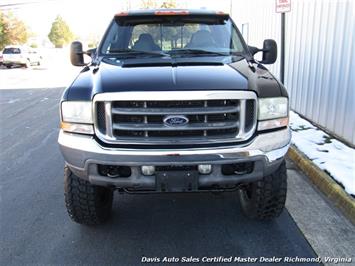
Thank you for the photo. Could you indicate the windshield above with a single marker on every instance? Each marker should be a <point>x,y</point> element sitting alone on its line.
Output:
<point>177,35</point>
<point>11,51</point>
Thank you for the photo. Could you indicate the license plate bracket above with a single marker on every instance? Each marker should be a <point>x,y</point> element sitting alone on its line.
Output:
<point>177,181</point>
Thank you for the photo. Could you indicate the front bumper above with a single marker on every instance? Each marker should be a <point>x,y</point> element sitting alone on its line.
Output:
<point>83,154</point>
<point>14,62</point>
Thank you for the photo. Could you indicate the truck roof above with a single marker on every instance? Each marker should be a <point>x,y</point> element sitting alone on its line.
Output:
<point>169,12</point>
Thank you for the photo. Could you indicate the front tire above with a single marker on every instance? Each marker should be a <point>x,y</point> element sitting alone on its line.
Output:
<point>265,199</point>
<point>86,203</point>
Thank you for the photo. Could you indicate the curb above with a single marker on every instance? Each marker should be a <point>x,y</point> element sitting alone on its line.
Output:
<point>324,183</point>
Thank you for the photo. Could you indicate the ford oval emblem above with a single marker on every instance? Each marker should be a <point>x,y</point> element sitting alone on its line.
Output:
<point>175,120</point>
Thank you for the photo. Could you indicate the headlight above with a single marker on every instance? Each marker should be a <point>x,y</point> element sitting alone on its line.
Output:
<point>273,113</point>
<point>77,112</point>
<point>77,117</point>
<point>271,108</point>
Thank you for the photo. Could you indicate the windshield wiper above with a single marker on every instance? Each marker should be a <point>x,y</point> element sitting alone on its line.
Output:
<point>134,52</point>
<point>197,52</point>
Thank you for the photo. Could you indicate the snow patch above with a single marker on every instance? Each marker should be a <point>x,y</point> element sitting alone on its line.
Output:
<point>329,154</point>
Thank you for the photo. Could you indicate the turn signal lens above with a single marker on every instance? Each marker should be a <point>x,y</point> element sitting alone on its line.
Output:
<point>77,128</point>
<point>274,123</point>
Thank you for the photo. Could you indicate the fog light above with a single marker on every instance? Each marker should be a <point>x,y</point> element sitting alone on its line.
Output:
<point>148,170</point>
<point>115,171</point>
<point>205,169</point>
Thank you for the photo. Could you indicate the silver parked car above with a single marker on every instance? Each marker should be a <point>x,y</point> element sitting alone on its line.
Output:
<point>20,55</point>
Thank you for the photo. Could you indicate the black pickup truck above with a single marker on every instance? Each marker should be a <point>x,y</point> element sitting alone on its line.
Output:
<point>173,101</point>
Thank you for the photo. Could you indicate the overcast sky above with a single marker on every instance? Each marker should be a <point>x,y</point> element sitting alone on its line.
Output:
<point>86,17</point>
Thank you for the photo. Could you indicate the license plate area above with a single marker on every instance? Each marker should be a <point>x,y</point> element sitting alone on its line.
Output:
<point>177,179</point>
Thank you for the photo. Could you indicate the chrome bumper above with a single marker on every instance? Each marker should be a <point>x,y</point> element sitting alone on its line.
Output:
<point>83,154</point>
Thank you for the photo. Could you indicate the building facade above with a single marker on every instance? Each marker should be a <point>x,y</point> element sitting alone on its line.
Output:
<point>319,56</point>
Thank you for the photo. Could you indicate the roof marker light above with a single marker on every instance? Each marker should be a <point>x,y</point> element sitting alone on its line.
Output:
<point>122,14</point>
<point>171,12</point>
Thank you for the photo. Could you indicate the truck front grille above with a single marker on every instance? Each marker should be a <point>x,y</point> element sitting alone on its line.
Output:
<point>211,118</point>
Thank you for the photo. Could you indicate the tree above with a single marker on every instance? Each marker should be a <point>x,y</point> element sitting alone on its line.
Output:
<point>148,4</point>
<point>152,4</point>
<point>2,31</point>
<point>169,4</point>
<point>60,33</point>
<point>12,30</point>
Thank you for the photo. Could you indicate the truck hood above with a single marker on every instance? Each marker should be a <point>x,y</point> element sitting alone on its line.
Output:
<point>146,78</point>
<point>163,75</point>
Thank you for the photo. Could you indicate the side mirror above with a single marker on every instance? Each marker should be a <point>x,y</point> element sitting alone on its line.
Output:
<point>77,54</point>
<point>269,52</point>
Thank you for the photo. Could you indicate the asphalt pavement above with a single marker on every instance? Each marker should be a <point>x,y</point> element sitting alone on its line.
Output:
<point>35,228</point>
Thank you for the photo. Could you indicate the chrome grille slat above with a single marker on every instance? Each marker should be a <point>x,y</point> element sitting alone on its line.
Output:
<point>175,111</point>
<point>205,117</point>
<point>145,119</point>
<point>137,118</point>
<point>108,119</point>
<point>242,116</point>
<point>162,127</point>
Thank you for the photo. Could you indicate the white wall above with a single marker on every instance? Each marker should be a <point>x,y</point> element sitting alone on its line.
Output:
<point>320,56</point>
